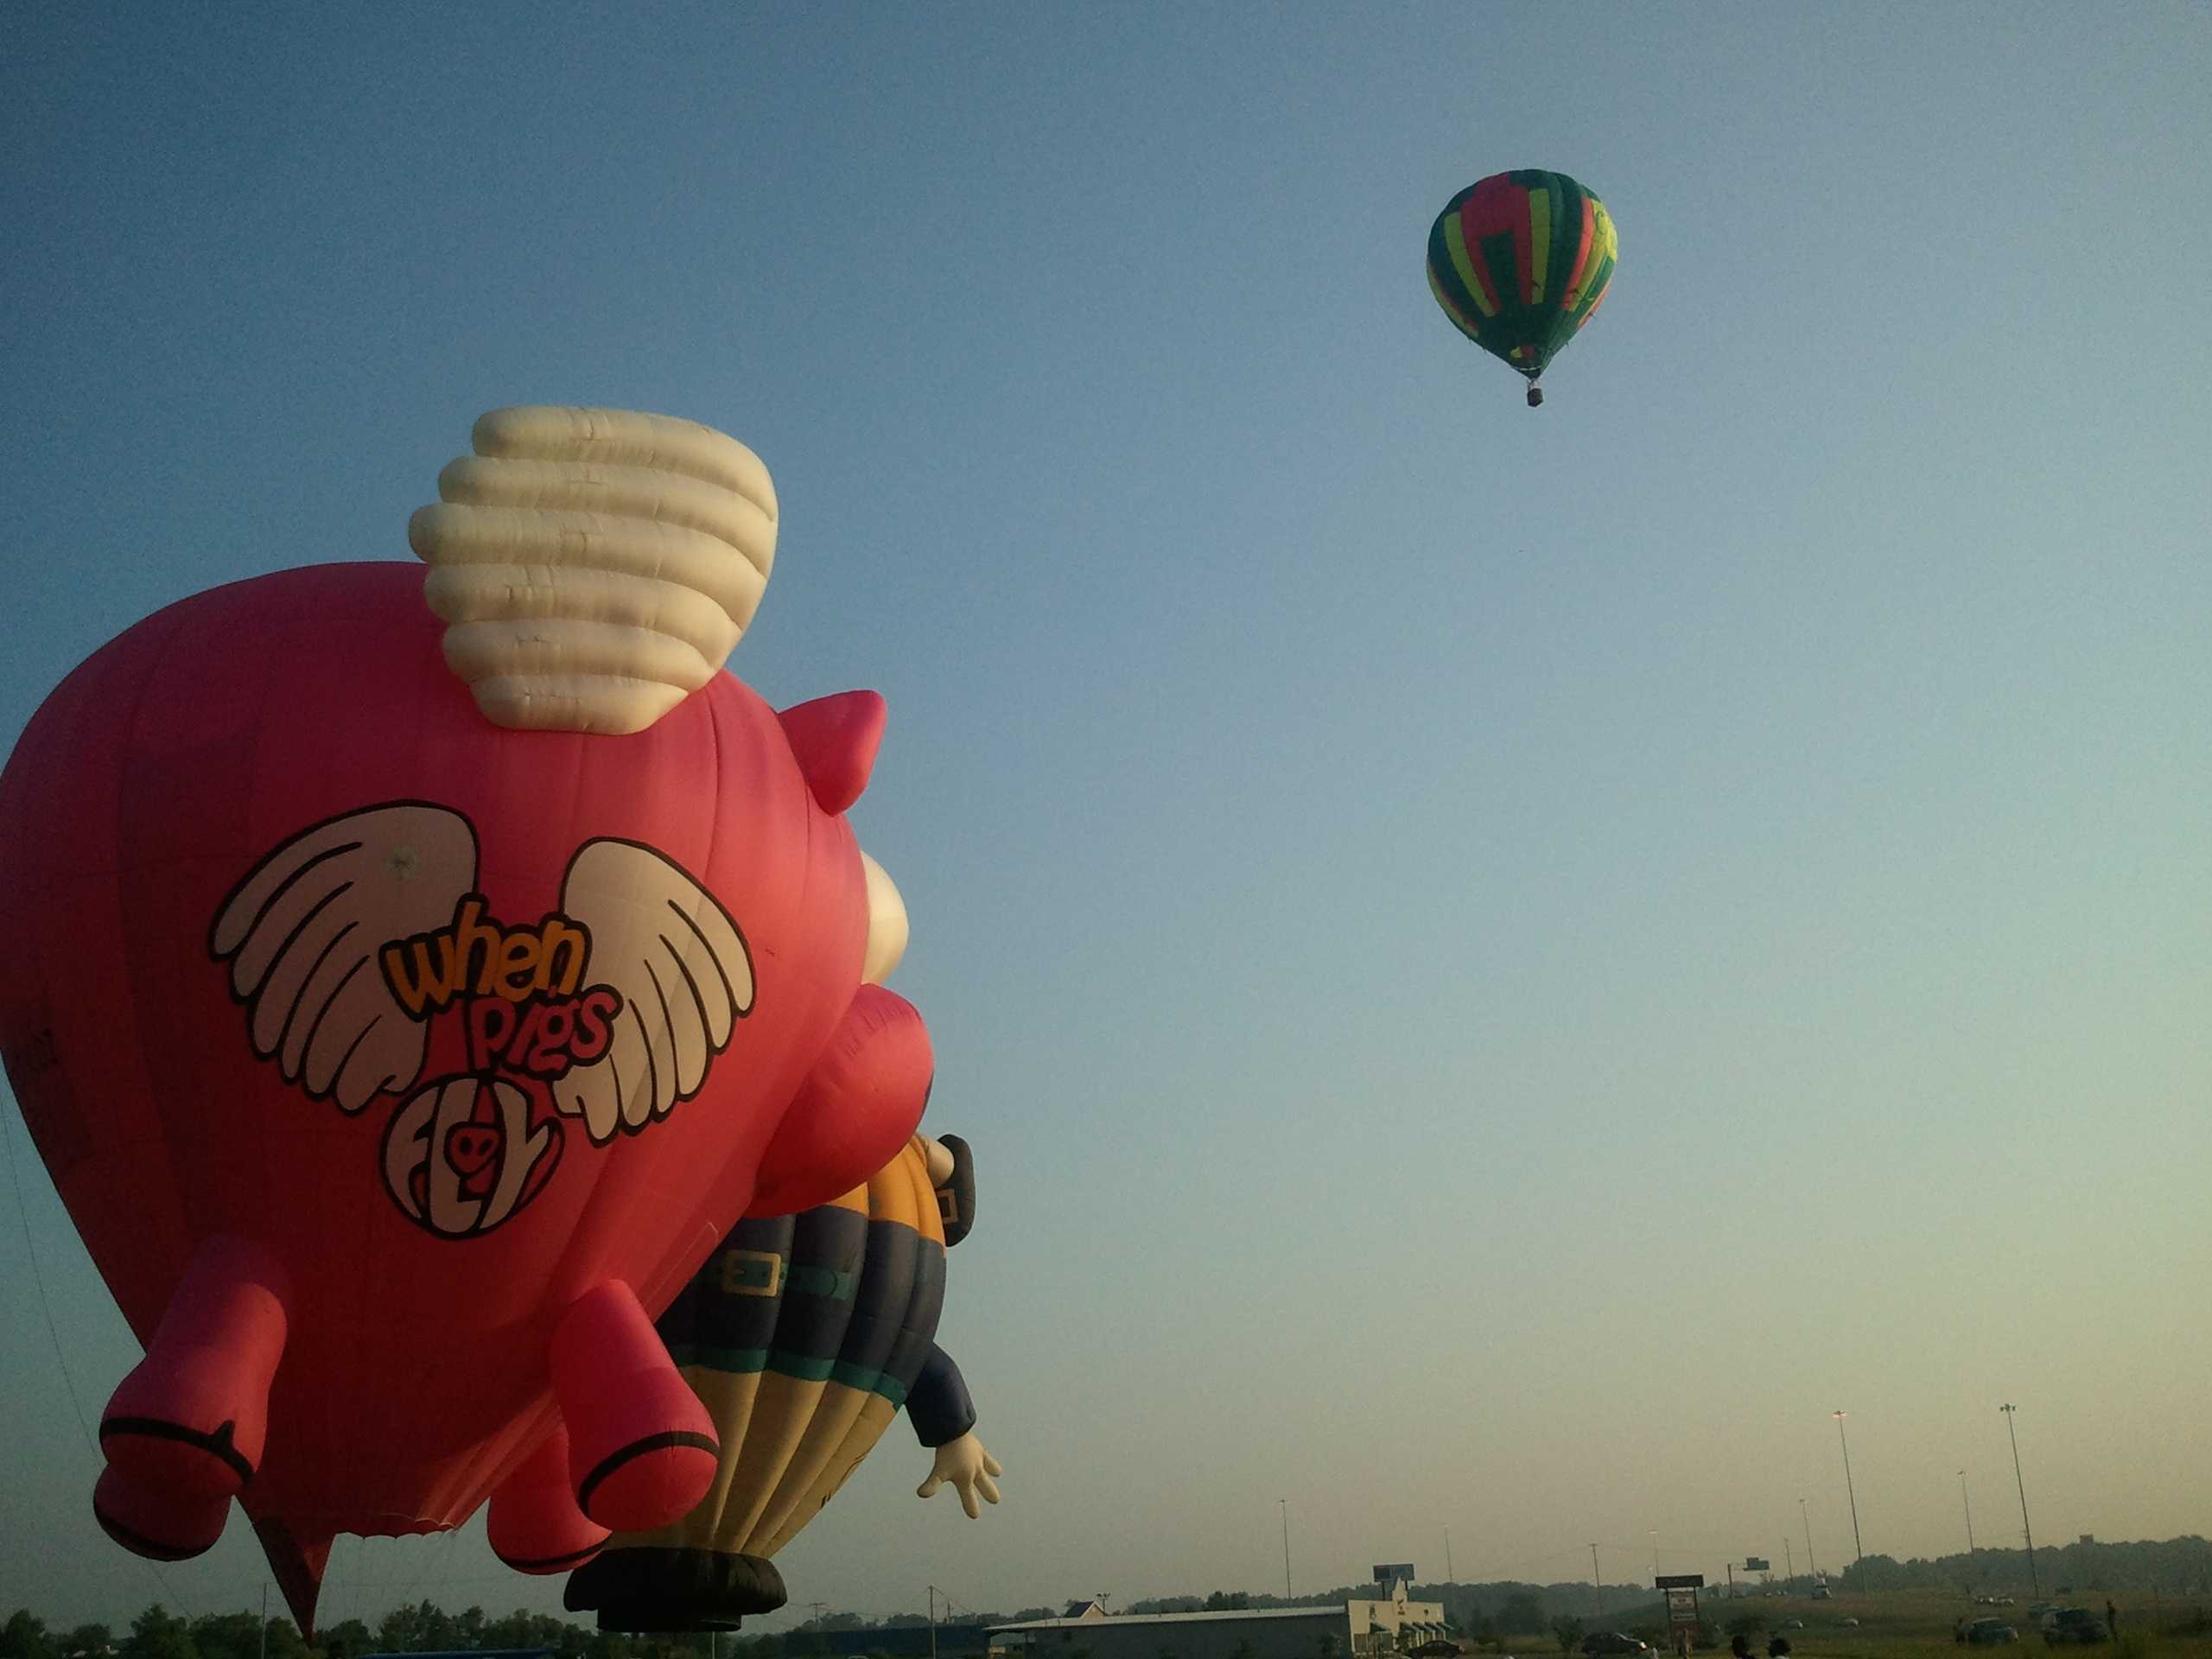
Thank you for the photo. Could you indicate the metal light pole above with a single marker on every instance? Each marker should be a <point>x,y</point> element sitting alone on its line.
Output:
<point>2035,1584</point>
<point>1812,1562</point>
<point>1655,1552</point>
<point>1447,1555</point>
<point>1286,1547</point>
<point>1968,1504</point>
<point>1789,1560</point>
<point>1859,1550</point>
<point>1597,1604</point>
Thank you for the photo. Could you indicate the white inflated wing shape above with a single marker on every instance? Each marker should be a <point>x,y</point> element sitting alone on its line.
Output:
<point>683,968</point>
<point>594,566</point>
<point>302,933</point>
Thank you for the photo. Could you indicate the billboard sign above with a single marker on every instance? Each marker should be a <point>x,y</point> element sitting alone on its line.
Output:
<point>1681,1590</point>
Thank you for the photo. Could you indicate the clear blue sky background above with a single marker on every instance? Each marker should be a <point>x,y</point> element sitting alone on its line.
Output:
<point>1499,965</point>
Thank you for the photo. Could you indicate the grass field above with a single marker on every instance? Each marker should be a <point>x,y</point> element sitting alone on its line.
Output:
<point>1917,1624</point>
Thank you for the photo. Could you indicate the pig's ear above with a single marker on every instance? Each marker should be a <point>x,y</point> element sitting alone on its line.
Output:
<point>835,739</point>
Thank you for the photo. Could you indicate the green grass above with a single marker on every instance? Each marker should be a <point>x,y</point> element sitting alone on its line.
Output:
<point>1917,1624</point>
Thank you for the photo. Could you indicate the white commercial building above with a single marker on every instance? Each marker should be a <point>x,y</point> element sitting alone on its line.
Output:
<point>1370,1627</point>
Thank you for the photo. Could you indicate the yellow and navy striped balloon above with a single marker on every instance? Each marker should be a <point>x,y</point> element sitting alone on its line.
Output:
<point>803,1334</point>
<point>1520,261</point>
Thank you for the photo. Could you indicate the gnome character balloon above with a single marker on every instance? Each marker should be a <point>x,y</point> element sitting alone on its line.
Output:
<point>407,998</point>
<point>805,1335</point>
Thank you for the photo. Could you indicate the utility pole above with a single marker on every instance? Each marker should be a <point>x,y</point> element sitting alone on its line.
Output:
<point>1812,1562</point>
<point>1597,1603</point>
<point>1286,1547</point>
<point>1969,1509</point>
<point>1655,1554</point>
<point>265,1619</point>
<point>1447,1555</point>
<point>1859,1550</point>
<point>2027,1532</point>
<point>1790,1560</point>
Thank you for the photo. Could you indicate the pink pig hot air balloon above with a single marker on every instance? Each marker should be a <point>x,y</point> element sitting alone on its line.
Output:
<point>406,997</point>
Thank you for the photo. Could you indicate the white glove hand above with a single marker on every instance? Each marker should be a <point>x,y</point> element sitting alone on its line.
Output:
<point>969,1466</point>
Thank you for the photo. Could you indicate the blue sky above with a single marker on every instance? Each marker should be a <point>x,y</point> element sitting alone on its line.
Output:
<point>1498,964</point>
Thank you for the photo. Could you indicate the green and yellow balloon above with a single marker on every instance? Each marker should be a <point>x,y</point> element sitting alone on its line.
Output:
<point>1520,261</point>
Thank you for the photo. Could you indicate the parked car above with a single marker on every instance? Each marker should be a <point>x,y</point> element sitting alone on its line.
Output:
<point>1987,1632</point>
<point>2076,1625</point>
<point>1439,1649</point>
<point>1601,1644</point>
<point>1848,1623</point>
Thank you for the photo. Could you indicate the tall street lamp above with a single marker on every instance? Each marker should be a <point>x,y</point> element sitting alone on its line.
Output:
<point>1968,1504</point>
<point>2027,1531</point>
<point>1812,1565</point>
<point>1286,1547</point>
<point>1858,1554</point>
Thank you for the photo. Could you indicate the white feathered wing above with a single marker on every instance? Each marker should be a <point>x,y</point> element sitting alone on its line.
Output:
<point>303,931</point>
<point>684,973</point>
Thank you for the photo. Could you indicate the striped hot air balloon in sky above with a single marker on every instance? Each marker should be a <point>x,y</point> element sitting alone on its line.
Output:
<point>1520,261</point>
<point>803,1336</point>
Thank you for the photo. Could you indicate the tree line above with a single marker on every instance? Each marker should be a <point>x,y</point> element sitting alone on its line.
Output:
<point>157,1633</point>
<point>2175,1566</point>
<point>1484,1615</point>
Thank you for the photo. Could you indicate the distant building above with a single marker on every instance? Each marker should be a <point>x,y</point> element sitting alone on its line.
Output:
<point>1369,1626</point>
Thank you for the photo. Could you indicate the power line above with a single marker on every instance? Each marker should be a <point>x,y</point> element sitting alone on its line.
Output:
<point>53,1333</point>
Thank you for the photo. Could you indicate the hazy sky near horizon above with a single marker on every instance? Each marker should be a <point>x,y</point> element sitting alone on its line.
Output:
<point>1499,965</point>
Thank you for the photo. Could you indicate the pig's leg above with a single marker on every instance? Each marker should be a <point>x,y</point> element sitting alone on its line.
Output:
<point>189,1422</point>
<point>642,1450</point>
<point>535,1524</point>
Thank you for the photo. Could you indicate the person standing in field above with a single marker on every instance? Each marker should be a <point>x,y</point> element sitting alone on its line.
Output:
<point>2112,1618</point>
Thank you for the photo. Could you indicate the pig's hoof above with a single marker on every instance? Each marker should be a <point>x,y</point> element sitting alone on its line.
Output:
<point>535,1525</point>
<point>192,1417</point>
<point>172,1457</point>
<point>642,1450</point>
<point>651,1482</point>
<point>163,1526</point>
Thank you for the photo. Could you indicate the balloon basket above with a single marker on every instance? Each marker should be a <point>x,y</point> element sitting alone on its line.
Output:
<point>645,1589</point>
